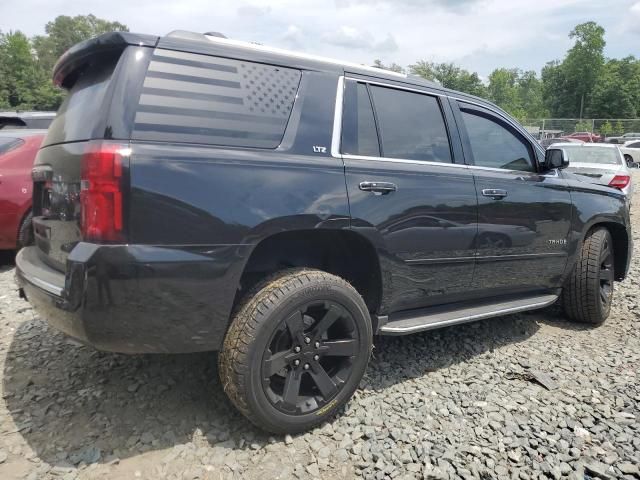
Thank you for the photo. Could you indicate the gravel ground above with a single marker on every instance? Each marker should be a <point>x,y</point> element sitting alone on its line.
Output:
<point>455,403</point>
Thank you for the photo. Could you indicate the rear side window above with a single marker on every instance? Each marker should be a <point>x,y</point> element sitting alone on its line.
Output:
<point>7,144</point>
<point>212,100</point>
<point>82,110</point>
<point>359,136</point>
<point>411,125</point>
<point>493,145</point>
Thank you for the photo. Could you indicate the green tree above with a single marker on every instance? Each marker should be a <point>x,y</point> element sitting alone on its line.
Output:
<point>530,95</point>
<point>612,95</point>
<point>449,75</point>
<point>64,32</point>
<point>618,129</point>
<point>503,90</point>
<point>21,76</point>
<point>606,128</point>
<point>394,67</point>
<point>569,84</point>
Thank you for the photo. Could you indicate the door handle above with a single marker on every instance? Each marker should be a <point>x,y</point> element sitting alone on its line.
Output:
<point>495,193</point>
<point>378,188</point>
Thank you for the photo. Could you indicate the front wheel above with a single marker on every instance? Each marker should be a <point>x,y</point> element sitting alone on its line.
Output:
<point>296,350</point>
<point>588,293</point>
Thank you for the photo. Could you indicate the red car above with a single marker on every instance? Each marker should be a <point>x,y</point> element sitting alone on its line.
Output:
<point>18,149</point>
<point>585,137</point>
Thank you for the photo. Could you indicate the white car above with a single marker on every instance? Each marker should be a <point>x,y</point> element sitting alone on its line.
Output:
<point>601,163</point>
<point>631,151</point>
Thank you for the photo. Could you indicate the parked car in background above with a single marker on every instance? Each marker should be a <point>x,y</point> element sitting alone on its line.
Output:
<point>624,138</point>
<point>584,136</point>
<point>31,120</point>
<point>18,149</point>
<point>631,152</point>
<point>602,164</point>
<point>546,142</point>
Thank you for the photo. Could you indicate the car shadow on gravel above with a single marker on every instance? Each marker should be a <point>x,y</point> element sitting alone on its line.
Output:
<point>73,404</point>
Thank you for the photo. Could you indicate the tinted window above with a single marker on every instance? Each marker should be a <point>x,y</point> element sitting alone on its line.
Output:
<point>83,108</point>
<point>359,136</point>
<point>411,125</point>
<point>634,145</point>
<point>7,144</point>
<point>39,123</point>
<point>586,154</point>
<point>203,99</point>
<point>493,145</point>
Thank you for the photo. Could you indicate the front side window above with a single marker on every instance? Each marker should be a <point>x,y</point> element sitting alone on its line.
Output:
<point>411,125</point>
<point>493,145</point>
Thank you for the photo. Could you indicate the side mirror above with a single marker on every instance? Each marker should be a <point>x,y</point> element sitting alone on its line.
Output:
<point>554,158</point>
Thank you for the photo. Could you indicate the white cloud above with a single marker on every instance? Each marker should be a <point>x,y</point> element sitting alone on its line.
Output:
<point>632,22</point>
<point>478,34</point>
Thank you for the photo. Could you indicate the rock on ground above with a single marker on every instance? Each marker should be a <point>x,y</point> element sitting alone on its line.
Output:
<point>454,403</point>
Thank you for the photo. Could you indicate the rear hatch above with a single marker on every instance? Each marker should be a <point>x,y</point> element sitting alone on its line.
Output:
<point>80,173</point>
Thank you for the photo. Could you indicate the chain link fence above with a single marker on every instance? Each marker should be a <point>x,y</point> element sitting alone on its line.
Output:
<point>558,127</point>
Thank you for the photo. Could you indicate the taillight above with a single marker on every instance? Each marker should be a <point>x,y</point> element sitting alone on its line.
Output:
<point>620,181</point>
<point>101,191</point>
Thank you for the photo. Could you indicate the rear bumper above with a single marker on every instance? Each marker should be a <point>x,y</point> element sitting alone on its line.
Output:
<point>136,299</point>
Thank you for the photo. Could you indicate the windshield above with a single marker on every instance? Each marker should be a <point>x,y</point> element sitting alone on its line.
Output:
<point>580,154</point>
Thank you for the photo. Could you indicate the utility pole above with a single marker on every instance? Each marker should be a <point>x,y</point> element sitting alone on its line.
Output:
<point>581,106</point>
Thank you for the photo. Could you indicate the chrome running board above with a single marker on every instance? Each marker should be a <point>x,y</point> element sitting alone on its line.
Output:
<point>403,323</point>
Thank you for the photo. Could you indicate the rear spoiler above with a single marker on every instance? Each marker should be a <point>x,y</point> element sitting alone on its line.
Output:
<point>71,61</point>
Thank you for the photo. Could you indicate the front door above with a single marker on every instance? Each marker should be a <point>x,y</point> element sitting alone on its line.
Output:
<point>407,194</point>
<point>523,216</point>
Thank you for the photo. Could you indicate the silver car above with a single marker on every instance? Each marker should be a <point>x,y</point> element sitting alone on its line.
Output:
<point>601,163</point>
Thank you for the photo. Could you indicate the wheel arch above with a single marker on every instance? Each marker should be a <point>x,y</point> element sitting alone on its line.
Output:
<point>621,245</point>
<point>341,252</point>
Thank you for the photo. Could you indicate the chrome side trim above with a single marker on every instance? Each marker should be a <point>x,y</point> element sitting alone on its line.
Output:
<point>337,129</point>
<point>337,119</point>
<point>397,330</point>
<point>405,160</point>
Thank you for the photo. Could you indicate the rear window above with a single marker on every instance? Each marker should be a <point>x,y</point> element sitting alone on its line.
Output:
<point>411,125</point>
<point>7,144</point>
<point>359,135</point>
<point>592,155</point>
<point>39,123</point>
<point>82,110</point>
<point>212,100</point>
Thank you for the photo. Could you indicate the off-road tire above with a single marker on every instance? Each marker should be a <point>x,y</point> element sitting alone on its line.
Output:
<point>259,314</point>
<point>582,296</point>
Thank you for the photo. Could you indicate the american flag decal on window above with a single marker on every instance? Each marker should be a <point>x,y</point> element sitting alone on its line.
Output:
<point>203,99</point>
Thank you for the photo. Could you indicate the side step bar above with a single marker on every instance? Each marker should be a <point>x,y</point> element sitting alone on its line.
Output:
<point>403,323</point>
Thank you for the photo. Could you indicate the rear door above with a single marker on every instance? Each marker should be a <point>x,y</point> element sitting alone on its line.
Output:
<point>523,216</point>
<point>407,192</point>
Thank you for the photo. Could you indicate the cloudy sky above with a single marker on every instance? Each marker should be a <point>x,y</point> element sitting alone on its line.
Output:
<point>479,35</point>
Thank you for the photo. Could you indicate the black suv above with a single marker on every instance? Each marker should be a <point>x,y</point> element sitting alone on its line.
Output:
<point>197,193</point>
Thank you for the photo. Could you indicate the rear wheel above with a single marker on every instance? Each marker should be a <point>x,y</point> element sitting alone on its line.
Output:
<point>296,350</point>
<point>588,293</point>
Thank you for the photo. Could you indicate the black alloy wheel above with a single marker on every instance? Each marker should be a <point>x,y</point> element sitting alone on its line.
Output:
<point>296,349</point>
<point>309,357</point>
<point>588,291</point>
